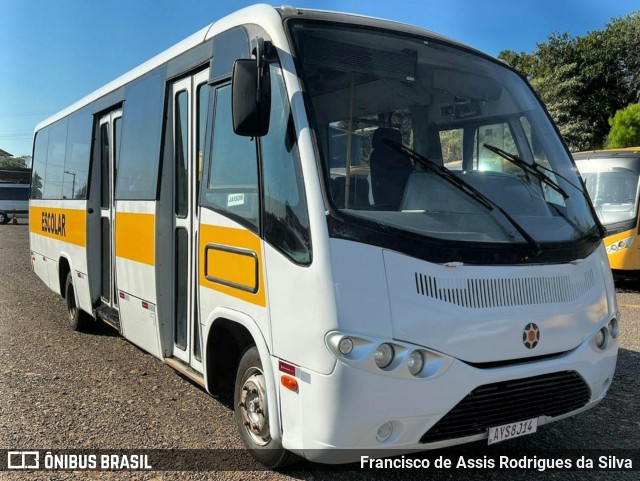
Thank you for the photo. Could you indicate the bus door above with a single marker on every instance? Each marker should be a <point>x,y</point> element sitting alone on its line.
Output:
<point>110,125</point>
<point>190,97</point>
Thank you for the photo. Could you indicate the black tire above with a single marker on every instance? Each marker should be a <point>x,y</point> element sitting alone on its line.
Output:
<point>78,319</point>
<point>256,436</point>
<point>4,218</point>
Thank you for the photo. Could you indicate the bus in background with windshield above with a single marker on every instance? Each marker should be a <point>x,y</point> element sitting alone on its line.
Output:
<point>367,235</point>
<point>611,177</point>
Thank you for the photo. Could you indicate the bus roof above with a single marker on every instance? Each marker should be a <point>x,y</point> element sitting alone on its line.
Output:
<point>264,15</point>
<point>591,154</point>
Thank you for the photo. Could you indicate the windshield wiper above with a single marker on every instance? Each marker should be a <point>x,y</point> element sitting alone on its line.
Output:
<point>534,169</point>
<point>529,168</point>
<point>464,187</point>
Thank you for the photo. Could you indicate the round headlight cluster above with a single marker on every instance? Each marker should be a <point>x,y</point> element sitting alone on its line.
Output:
<point>622,244</point>
<point>345,346</point>
<point>415,362</point>
<point>601,338</point>
<point>383,355</point>
<point>611,330</point>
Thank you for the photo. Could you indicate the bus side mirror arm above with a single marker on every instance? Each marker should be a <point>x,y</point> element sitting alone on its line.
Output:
<point>251,93</point>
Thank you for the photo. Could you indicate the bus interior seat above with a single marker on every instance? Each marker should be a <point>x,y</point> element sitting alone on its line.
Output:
<point>390,169</point>
<point>358,192</point>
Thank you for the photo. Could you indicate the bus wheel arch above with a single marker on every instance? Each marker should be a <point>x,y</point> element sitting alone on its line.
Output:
<point>226,342</point>
<point>77,318</point>
<point>64,269</point>
<point>242,330</point>
<point>253,415</point>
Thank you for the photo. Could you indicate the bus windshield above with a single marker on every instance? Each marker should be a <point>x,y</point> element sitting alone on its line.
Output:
<point>613,191</point>
<point>373,91</point>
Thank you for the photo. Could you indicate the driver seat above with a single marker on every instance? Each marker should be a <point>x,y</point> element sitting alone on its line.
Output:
<point>390,169</point>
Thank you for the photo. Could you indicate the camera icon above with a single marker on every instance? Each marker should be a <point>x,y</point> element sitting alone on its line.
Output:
<point>23,460</point>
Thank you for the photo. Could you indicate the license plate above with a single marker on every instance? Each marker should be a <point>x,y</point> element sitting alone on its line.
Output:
<point>512,430</point>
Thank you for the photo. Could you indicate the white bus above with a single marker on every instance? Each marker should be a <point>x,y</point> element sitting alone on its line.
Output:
<point>14,201</point>
<point>356,299</point>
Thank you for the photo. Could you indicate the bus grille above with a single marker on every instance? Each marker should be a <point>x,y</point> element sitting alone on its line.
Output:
<point>519,291</point>
<point>510,401</point>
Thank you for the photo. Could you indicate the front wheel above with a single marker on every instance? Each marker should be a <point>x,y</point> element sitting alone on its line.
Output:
<point>252,413</point>
<point>78,319</point>
<point>4,218</point>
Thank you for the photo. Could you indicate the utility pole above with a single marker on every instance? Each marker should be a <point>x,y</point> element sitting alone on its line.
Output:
<point>73,183</point>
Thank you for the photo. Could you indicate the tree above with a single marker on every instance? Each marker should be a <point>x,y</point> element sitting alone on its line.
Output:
<point>625,128</point>
<point>585,80</point>
<point>36,186</point>
<point>561,90</point>
<point>13,162</point>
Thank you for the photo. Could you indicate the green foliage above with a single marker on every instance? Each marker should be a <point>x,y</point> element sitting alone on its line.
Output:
<point>583,81</point>
<point>36,186</point>
<point>13,162</point>
<point>561,90</point>
<point>625,128</point>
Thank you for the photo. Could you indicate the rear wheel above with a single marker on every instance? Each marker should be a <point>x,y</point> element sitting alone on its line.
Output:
<point>78,319</point>
<point>4,218</point>
<point>252,413</point>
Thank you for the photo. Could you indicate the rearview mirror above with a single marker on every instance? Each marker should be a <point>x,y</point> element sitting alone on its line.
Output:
<point>251,95</point>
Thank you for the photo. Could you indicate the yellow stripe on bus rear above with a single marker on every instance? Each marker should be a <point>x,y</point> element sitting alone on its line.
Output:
<point>135,237</point>
<point>67,225</point>
<point>231,262</point>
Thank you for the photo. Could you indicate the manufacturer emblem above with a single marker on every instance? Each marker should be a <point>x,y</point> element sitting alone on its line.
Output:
<point>531,335</point>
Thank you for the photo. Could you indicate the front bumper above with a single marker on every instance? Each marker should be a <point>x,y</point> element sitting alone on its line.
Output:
<point>335,418</point>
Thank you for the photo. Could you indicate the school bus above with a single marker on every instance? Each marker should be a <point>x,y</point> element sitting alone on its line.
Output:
<point>267,208</point>
<point>611,177</point>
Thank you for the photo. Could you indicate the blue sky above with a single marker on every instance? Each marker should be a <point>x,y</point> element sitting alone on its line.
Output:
<point>54,52</point>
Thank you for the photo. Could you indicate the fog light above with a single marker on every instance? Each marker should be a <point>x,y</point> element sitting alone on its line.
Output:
<point>383,355</point>
<point>384,432</point>
<point>601,338</point>
<point>415,363</point>
<point>613,328</point>
<point>345,346</point>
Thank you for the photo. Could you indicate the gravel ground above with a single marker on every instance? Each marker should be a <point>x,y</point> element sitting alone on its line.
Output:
<point>60,389</point>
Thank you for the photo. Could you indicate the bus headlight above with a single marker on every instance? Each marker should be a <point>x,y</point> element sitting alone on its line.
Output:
<point>622,244</point>
<point>415,363</point>
<point>345,346</point>
<point>383,355</point>
<point>601,338</point>
<point>389,357</point>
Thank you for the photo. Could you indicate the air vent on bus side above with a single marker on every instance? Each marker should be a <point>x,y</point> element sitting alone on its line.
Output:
<point>505,292</point>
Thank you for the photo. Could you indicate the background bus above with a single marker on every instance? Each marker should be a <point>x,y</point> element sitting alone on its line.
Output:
<point>14,193</point>
<point>611,177</point>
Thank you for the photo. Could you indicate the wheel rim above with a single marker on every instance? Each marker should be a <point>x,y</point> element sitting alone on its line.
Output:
<point>71,303</point>
<point>253,407</point>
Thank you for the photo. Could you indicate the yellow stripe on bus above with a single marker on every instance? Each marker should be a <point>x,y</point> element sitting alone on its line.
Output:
<point>135,237</point>
<point>231,262</point>
<point>67,225</point>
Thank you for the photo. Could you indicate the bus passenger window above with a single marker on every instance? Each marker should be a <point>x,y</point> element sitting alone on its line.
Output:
<point>201,127</point>
<point>233,177</point>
